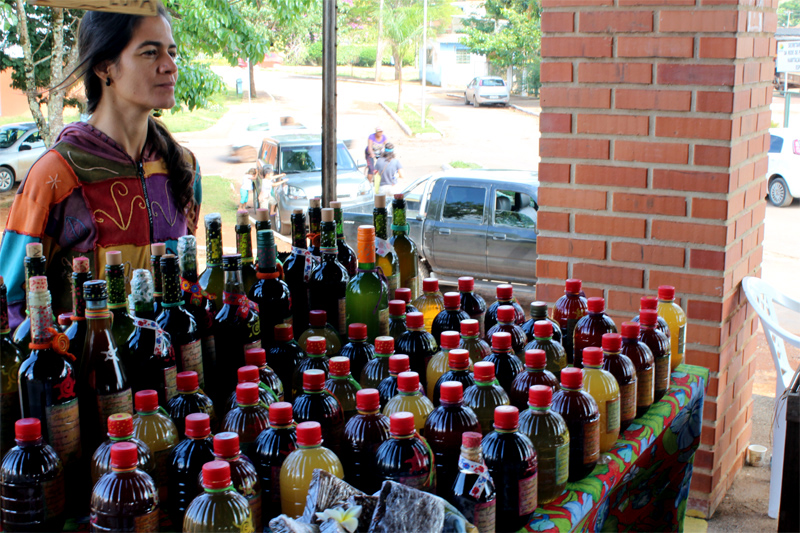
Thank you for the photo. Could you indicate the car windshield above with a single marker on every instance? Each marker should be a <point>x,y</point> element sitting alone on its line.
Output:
<point>308,158</point>
<point>258,126</point>
<point>492,83</point>
<point>10,135</point>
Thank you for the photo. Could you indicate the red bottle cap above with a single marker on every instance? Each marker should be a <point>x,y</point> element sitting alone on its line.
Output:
<point>27,429</point>
<point>280,414</point>
<point>484,371</point>
<point>504,291</point>
<point>535,358</point>
<point>316,345</point>
<point>399,363</point>
<point>466,284</point>
<point>403,293</point>
<point>630,330</point>
<point>452,300</point>
<point>540,396</point>
<point>283,332</point>
<point>309,434</point>
<point>318,318</point>
<point>571,377</point>
<point>648,302</point>
<point>430,285</point>
<point>449,340</point>
<point>408,382</point>
<point>226,444</point>
<point>458,359</point>
<point>198,425</point>
<point>384,344</point>
<point>314,380</point>
<point>415,320</point>
<point>596,304</point>
<point>357,331</point>
<point>666,292</point>
<point>146,401</point>
<point>124,455</point>
<point>65,319</point>
<point>506,313</point>
<point>401,424</point>
<point>397,307</point>
<point>470,328</point>
<point>339,366</point>
<point>612,342</point>
<point>648,317</point>
<point>120,425</point>
<point>506,417</point>
<point>246,393</point>
<point>593,356</point>
<point>217,475</point>
<point>187,381</point>
<point>255,356</point>
<point>573,286</point>
<point>248,374</point>
<point>501,341</point>
<point>542,329</point>
<point>451,392</point>
<point>471,439</point>
<point>368,400</point>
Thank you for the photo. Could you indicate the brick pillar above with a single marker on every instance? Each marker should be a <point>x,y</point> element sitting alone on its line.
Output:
<point>655,117</point>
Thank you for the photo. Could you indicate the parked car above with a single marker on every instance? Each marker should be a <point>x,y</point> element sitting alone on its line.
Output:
<point>487,90</point>
<point>20,147</point>
<point>469,222</point>
<point>783,166</point>
<point>299,156</point>
<point>246,138</point>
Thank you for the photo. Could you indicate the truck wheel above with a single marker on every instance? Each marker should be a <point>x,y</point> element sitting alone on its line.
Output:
<point>424,269</point>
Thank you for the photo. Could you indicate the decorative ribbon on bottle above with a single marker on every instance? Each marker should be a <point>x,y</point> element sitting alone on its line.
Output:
<point>196,291</point>
<point>160,341</point>
<point>58,342</point>
<point>264,386</point>
<point>404,228</point>
<point>383,247</point>
<point>240,300</point>
<point>314,238</point>
<point>278,274</point>
<point>431,476</point>
<point>350,379</point>
<point>476,468</point>
<point>310,259</point>
<point>160,410</point>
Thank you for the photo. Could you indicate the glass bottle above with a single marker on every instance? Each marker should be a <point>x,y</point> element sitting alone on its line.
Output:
<point>505,296</point>
<point>297,271</point>
<point>539,312</point>
<point>430,303</point>
<point>403,293</point>
<point>543,340</point>
<point>249,418</point>
<point>406,458</point>
<point>535,374</point>
<point>319,405</point>
<point>153,427</point>
<point>219,508</point>
<point>257,357</point>
<point>190,399</point>
<point>363,435</point>
<point>386,257</point>
<point>418,344</point>
<point>10,360</point>
<point>76,333</point>
<point>472,340</point>
<point>327,286</point>
<point>506,364</point>
<point>262,219</point>
<point>377,369</point>
<point>387,388</point>
<point>642,359</point>
<point>473,492</point>
<point>567,311</point>
<point>270,292</point>
<point>471,302</point>
<point>64,321</point>
<point>35,265</point>
<point>651,302</point>
<point>346,255</point>
<point>397,318</point>
<point>299,466</point>
<point>244,247</point>
<point>443,429</point>
<point>438,364</point>
<point>512,463</point>
<point>358,350</point>
<point>676,320</point>
<point>404,247</point>
<point>603,387</point>
<point>315,360</point>
<point>320,327</point>
<point>367,293</point>
<point>273,446</point>
<point>121,321</point>
<point>103,385</point>
<point>283,356</point>
<point>450,318</point>
<point>505,323</point>
<point>619,366</point>
<point>32,488</point>
<point>314,226</point>
<point>410,399</point>
<point>459,369</point>
<point>659,347</point>
<point>580,412</point>
<point>185,463</point>
<point>589,330</point>
<point>120,429</point>
<point>485,395</point>
<point>156,251</point>
<point>550,437</point>
<point>341,384</point>
<point>249,374</point>
<point>212,280</point>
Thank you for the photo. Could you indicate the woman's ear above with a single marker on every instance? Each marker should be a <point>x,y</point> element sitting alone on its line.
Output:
<point>103,70</point>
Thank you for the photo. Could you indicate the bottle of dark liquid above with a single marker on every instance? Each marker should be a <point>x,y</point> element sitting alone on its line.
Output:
<point>212,280</point>
<point>10,360</point>
<point>505,296</point>
<point>249,374</point>
<point>474,494</point>
<point>122,323</point>
<point>386,257</point>
<point>249,418</point>
<point>397,318</point>
<point>190,399</point>
<point>404,247</point>
<point>156,251</point>
<point>120,429</point>
<point>512,463</point>
<point>567,311</point>
<point>642,359</point>
<point>269,292</point>
<point>505,322</point>
<point>219,507</point>
<point>660,348</point>
<point>315,404</point>
<point>485,395</point>
<point>539,312</point>
<point>471,302</point>
<point>262,219</point>
<point>387,388</point>
<point>443,429</point>
<point>273,445</point>
<point>297,271</point>
<point>589,330</point>
<point>320,327</point>
<point>283,356</point>
<point>341,384</point>
<point>153,427</point>
<point>418,344</point>
<point>403,293</point>
<point>458,370</point>
<point>651,302</point>
<point>35,265</point>
<point>406,458</point>
<point>315,360</point>
<point>450,318</point>
<point>257,357</point>
<point>358,350</point>
<point>472,340</point>
<point>76,333</point>
<point>535,374</point>
<point>543,340</point>
<point>244,247</point>
<point>346,255</point>
<point>377,369</point>
<point>186,462</point>
<point>367,291</point>
<point>506,364</point>
<point>327,285</point>
<point>363,435</point>
<point>314,226</point>
<point>625,373</point>
<point>438,364</point>
<point>580,412</point>
<point>32,488</point>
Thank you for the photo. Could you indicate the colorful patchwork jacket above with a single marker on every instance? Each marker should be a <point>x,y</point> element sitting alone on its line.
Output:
<point>86,196</point>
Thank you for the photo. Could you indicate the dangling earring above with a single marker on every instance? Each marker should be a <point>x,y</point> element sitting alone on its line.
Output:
<point>108,82</point>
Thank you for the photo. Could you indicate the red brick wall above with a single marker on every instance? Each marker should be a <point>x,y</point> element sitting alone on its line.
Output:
<point>655,117</point>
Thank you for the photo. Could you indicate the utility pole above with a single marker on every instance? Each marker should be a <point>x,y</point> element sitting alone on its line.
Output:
<point>328,102</point>
<point>424,57</point>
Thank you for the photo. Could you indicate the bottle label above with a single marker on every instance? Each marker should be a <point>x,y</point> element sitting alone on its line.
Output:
<point>591,442</point>
<point>528,495</point>
<point>681,341</point>
<point>662,373</point>
<point>192,360</point>
<point>644,388</point>
<point>413,284</point>
<point>394,282</point>
<point>418,482</point>
<point>562,463</point>
<point>627,399</point>
<point>146,523</point>
<point>612,415</point>
<point>109,404</point>
<point>64,430</point>
<point>252,345</point>
<point>53,496</point>
<point>484,516</point>
<point>170,382</point>
<point>383,322</point>
<point>342,325</point>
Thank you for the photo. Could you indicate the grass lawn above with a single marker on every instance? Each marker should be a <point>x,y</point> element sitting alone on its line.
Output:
<point>412,118</point>
<point>218,197</point>
<point>70,115</point>
<point>464,164</point>
<point>346,71</point>
<point>201,119</point>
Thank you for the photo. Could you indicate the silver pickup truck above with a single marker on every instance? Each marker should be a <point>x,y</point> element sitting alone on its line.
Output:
<point>469,222</point>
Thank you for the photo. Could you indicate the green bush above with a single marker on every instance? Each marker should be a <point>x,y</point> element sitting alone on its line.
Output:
<point>360,55</point>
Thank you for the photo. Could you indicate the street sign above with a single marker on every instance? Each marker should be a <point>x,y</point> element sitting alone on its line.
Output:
<point>131,7</point>
<point>788,59</point>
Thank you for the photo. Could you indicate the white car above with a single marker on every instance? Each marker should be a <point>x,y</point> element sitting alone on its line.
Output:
<point>488,90</point>
<point>20,147</point>
<point>783,169</point>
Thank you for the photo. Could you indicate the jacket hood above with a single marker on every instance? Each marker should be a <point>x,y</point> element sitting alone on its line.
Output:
<point>86,137</point>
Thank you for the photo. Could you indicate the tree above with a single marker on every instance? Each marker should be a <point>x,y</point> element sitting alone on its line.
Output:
<point>789,13</point>
<point>402,27</point>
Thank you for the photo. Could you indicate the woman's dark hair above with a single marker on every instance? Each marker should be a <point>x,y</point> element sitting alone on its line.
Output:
<point>102,37</point>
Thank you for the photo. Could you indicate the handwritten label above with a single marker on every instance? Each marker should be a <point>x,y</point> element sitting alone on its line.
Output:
<point>109,404</point>
<point>170,383</point>
<point>64,430</point>
<point>383,322</point>
<point>612,415</point>
<point>644,389</point>
<point>192,360</point>
<point>562,462</point>
<point>528,495</point>
<point>484,516</point>
<point>627,399</point>
<point>254,501</point>
<point>591,442</point>
<point>662,374</point>
<point>146,523</point>
<point>681,341</point>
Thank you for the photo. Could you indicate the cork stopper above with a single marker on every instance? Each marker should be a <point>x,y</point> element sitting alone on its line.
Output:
<point>262,214</point>
<point>80,265</point>
<point>242,217</point>
<point>158,248</point>
<point>34,249</point>
<point>315,202</point>
<point>297,211</point>
<point>38,284</point>
<point>336,205</point>
<point>327,215</point>
<point>141,286</point>
<point>112,259</point>
<point>380,200</point>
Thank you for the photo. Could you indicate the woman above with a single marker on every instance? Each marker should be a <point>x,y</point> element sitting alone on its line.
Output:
<point>375,144</point>
<point>390,170</point>
<point>116,182</point>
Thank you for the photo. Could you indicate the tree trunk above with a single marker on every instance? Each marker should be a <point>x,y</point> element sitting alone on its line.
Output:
<point>379,46</point>
<point>252,79</point>
<point>398,75</point>
<point>55,102</point>
<point>30,78</point>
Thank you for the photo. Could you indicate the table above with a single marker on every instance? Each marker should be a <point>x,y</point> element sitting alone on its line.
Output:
<point>643,482</point>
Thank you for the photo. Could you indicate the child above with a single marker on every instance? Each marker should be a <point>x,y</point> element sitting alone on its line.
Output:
<point>247,186</point>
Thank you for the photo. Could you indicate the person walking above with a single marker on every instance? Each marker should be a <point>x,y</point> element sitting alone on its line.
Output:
<point>375,145</point>
<point>390,170</point>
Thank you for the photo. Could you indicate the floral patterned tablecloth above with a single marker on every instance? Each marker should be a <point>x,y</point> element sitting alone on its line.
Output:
<point>643,482</point>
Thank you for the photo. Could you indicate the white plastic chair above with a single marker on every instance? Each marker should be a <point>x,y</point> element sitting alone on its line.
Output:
<point>762,296</point>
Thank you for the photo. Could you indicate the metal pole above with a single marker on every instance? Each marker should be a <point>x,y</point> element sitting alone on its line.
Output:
<point>328,102</point>
<point>249,85</point>
<point>424,57</point>
<point>787,105</point>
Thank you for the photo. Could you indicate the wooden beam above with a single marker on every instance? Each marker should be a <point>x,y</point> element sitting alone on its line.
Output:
<point>132,7</point>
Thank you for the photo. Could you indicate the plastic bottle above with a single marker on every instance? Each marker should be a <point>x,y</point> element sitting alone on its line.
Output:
<point>384,251</point>
<point>186,462</point>
<point>377,369</point>
<point>473,492</point>
<point>367,298</point>
<point>590,329</point>
<point>297,270</point>
<point>248,419</point>
<point>651,302</point>
<point>244,247</point>
<point>438,364</point>
<point>404,247</point>
<point>387,389</point>
<point>318,405</point>
<point>270,292</point>
<point>346,255</point>
<point>410,399</point>
<point>450,318</point>
<point>543,340</point>
<point>249,374</point>
<point>273,445</point>
<point>153,427</point>
<point>511,460</point>
<point>550,437</point>
<point>430,303</point>
<point>319,327</point>
<point>659,347</point>
<point>10,360</point>
<point>283,356</point>
<point>406,458</point>
<point>120,429</point>
<point>190,399</point>
<point>219,508</point>
<point>505,323</point>
<point>315,360</point>
<point>506,364</point>
<point>418,344</point>
<point>471,302</point>
<point>580,412</point>
<point>619,366</point>
<point>534,374</point>
<point>676,320</point>
<point>358,350</point>
<point>505,296</point>
<point>363,435</point>
<point>603,387</point>
<point>539,312</point>
<point>472,340</point>
<point>405,295</point>
<point>258,357</point>
<point>642,359</point>
<point>567,311</point>
<point>32,489</point>
<point>76,333</point>
<point>341,384</point>
<point>299,466</point>
<point>485,395</point>
<point>458,369</point>
<point>397,318</point>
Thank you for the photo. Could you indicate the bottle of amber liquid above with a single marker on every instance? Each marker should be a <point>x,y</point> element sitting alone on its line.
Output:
<point>418,344</point>
<point>120,429</point>
<point>404,247</point>
<point>297,271</point>
<point>384,251</point>
<point>580,412</point>
<point>342,385</point>
<point>485,395</point>
<point>474,494</point>
<point>153,427</point>
<point>367,299</point>
<point>406,458</point>
<point>410,399</point>
<point>377,369</point>
<point>35,265</point>
<point>320,327</point>
<point>604,389</point>
<point>397,319</point>
<point>506,365</point>
<point>283,356</point>
<point>505,323</point>
<point>270,292</point>
<point>244,247</point>
<point>212,280</point>
<point>317,404</point>
<point>358,350</point>
<point>190,399</point>
<point>430,303</point>
<point>619,366</point>
<point>567,311</point>
<point>459,370</point>
<point>387,389</point>
<point>676,320</point>
<point>450,319</point>
<point>315,359</point>
<point>345,254</point>
<point>404,294</point>
<point>642,359</point>
<point>535,374</point>
<point>273,445</point>
<point>10,360</point>
<point>472,303</point>
<point>543,340</point>
<point>539,312</point>
<point>363,435</point>
<point>659,346</point>
<point>76,333</point>
<point>218,508</point>
<point>122,322</point>
<point>249,418</point>
<point>327,284</point>
<point>590,329</point>
<point>472,341</point>
<point>257,357</point>
<point>505,296</point>
<point>438,364</point>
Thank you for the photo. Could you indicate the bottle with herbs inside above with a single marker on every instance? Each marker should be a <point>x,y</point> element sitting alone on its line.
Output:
<point>387,389</point>
<point>604,389</point>
<point>341,384</point>
<point>297,271</point>
<point>406,458</point>
<point>539,312</point>
<point>438,364</point>
<point>315,359</point>
<point>659,347</point>
<point>472,341</point>
<point>363,435</point>
<point>320,327</point>
<point>270,292</point>
<point>273,445</point>
<point>345,254</point>
<point>249,418</point>
<point>249,374</point>
<point>543,340</point>
<point>190,399</point>
<point>76,332</point>
<point>377,369</point>
<point>580,412</point>
<point>506,365</point>
<point>121,321</point>
<point>10,360</point>
<point>397,318</point>
<point>196,301</point>
<point>357,349</point>
<point>317,404</point>
<point>219,507</point>
<point>212,280</point>
<point>418,344</point>
<point>589,330</point>
<point>505,296</point>
<point>459,369</point>
<point>451,317</point>
<point>404,247</point>
<point>386,257</point>
<point>472,303</point>
<point>244,247</point>
<point>157,250</point>
<point>485,395</point>
<point>430,303</point>
<point>153,427</point>
<point>120,429</point>
<point>505,322</point>
<point>367,299</point>
<point>675,318</point>
<point>410,399</point>
<point>642,359</point>
<point>535,374</point>
<point>404,293</point>
<point>314,226</point>
<point>35,265</point>
<point>257,357</point>
<point>473,492</point>
<point>283,356</point>
<point>327,285</point>
<point>567,311</point>
<point>619,366</point>
<point>185,463</point>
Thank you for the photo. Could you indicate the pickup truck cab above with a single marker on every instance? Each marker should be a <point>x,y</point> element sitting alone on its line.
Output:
<point>469,222</point>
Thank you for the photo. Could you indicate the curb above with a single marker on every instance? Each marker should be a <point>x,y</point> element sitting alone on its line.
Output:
<point>397,119</point>
<point>338,79</point>
<point>523,110</point>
